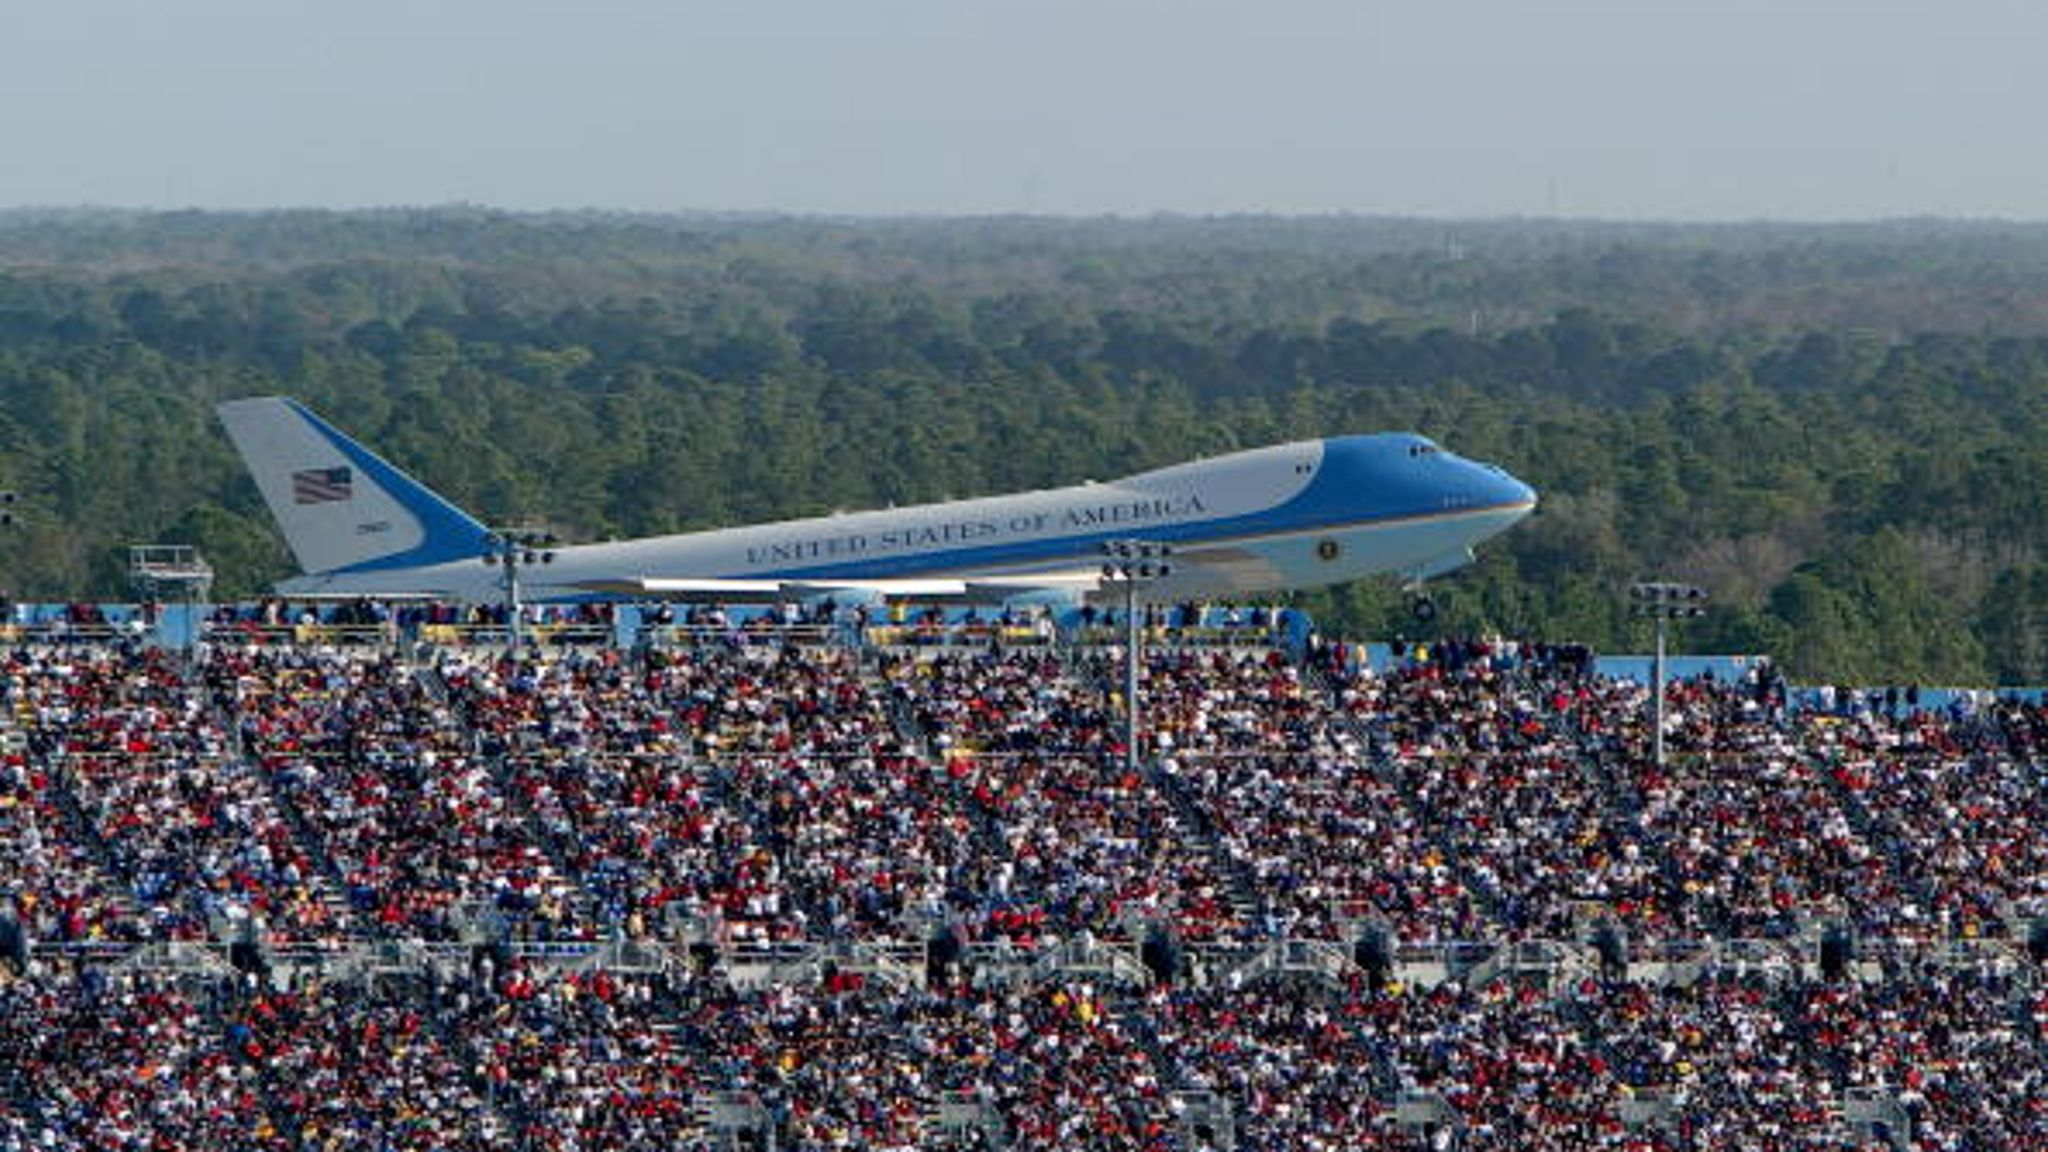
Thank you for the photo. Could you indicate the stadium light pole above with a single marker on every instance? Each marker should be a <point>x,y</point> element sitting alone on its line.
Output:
<point>1663,602</point>
<point>1132,563</point>
<point>513,549</point>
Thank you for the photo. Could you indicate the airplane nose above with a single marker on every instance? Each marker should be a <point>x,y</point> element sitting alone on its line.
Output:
<point>1503,488</point>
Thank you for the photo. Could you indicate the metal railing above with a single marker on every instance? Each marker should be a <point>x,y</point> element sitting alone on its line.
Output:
<point>903,962</point>
<point>1004,962</point>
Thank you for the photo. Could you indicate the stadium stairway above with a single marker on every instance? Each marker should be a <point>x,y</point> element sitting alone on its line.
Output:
<point>1371,747</point>
<point>1204,1119</point>
<point>111,879</point>
<point>498,758</point>
<point>1240,889</point>
<point>328,885</point>
<point>1574,1008</point>
<point>896,705</point>
<point>919,741</point>
<point>736,1121</point>
<point>1882,835</point>
<point>966,1118</point>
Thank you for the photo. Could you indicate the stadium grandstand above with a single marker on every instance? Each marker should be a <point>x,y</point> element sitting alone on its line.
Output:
<point>361,876</point>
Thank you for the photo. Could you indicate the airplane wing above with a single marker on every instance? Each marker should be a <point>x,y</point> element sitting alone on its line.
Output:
<point>658,587</point>
<point>971,587</point>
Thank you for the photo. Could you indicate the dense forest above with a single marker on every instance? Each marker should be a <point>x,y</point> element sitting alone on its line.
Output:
<point>1841,431</point>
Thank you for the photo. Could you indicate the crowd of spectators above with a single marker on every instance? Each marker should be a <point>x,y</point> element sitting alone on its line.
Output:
<point>388,781</point>
<point>604,1061</point>
<point>95,1059</point>
<point>207,844</point>
<point>55,887</point>
<point>1088,846</point>
<point>1957,809</point>
<point>694,799</point>
<point>365,1066</point>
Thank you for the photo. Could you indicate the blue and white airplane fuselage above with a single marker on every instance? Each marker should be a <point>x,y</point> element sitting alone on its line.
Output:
<point>1297,515</point>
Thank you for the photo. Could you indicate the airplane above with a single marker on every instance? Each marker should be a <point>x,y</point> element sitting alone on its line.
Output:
<point>1296,515</point>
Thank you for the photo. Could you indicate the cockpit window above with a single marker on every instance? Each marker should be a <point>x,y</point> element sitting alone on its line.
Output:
<point>1424,448</point>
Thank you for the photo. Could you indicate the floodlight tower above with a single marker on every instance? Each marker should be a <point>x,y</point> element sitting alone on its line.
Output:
<point>516,548</point>
<point>1132,563</point>
<point>1664,601</point>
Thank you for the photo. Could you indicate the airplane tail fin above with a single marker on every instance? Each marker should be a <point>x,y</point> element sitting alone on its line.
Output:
<point>341,506</point>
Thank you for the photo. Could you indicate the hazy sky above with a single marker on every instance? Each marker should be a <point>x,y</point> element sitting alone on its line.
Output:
<point>1686,109</point>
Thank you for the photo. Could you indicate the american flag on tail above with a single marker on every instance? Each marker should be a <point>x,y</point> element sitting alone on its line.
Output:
<point>321,485</point>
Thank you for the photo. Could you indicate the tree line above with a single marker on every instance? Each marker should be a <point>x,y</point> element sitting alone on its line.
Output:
<point>1842,432</point>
